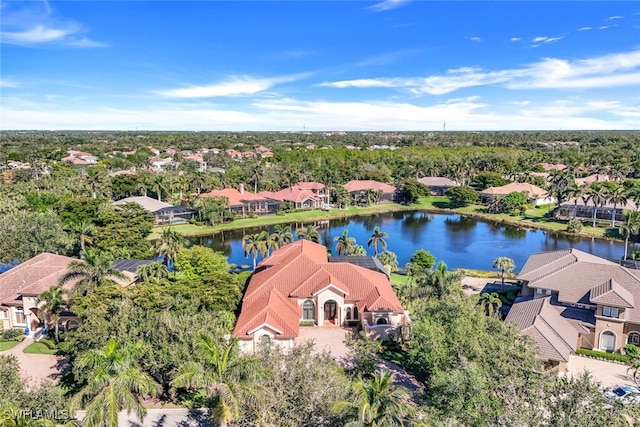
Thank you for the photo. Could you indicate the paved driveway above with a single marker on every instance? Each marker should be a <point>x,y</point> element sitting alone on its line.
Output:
<point>608,374</point>
<point>329,338</point>
<point>36,368</point>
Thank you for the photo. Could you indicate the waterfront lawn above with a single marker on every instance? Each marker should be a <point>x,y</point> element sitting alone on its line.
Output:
<point>536,217</point>
<point>8,345</point>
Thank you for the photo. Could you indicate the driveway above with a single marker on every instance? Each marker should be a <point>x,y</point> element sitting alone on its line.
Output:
<point>608,374</point>
<point>326,338</point>
<point>35,368</point>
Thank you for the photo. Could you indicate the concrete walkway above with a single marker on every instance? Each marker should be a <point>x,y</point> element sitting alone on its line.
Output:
<point>35,368</point>
<point>608,374</point>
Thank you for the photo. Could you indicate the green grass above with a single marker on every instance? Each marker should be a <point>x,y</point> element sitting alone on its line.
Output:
<point>7,345</point>
<point>398,280</point>
<point>39,348</point>
<point>534,218</point>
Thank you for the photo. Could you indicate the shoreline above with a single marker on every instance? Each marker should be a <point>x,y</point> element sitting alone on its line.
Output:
<point>425,205</point>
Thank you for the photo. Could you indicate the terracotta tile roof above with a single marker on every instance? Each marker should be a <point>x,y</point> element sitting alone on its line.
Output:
<point>363,185</point>
<point>592,178</point>
<point>33,276</point>
<point>553,335</point>
<point>236,198</point>
<point>574,275</point>
<point>291,194</point>
<point>532,190</point>
<point>310,185</point>
<point>298,271</point>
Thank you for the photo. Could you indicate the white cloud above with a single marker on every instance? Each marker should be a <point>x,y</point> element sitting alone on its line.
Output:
<point>235,86</point>
<point>611,18</point>
<point>8,83</point>
<point>542,40</point>
<point>475,39</point>
<point>387,5</point>
<point>515,39</point>
<point>585,28</point>
<point>35,23</point>
<point>612,70</point>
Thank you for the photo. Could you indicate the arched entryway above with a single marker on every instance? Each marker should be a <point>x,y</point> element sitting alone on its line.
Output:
<point>331,312</point>
<point>607,341</point>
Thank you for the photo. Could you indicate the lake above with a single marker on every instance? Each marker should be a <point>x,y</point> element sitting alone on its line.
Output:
<point>459,241</point>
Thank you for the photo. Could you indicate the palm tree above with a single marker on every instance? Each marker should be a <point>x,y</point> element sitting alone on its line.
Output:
<point>271,241</point>
<point>85,230</point>
<point>629,228</point>
<point>507,265</point>
<point>115,382</point>
<point>617,195</point>
<point>94,271</point>
<point>158,185</point>
<point>491,303</point>
<point>283,234</point>
<point>310,233</point>
<point>169,244</point>
<point>225,377</point>
<point>254,244</point>
<point>345,244</point>
<point>598,197</point>
<point>376,403</point>
<point>438,282</point>
<point>377,238</point>
<point>153,272</point>
<point>575,191</point>
<point>51,303</point>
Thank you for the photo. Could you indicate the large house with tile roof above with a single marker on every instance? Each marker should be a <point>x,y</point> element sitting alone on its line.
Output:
<point>535,194</point>
<point>303,195</point>
<point>21,285</point>
<point>298,284</point>
<point>245,203</point>
<point>600,298</point>
<point>357,188</point>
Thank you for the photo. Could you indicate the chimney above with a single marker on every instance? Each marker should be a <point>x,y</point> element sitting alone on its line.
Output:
<point>241,188</point>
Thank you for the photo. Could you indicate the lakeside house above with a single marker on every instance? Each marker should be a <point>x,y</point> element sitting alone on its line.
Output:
<point>598,298</point>
<point>164,213</point>
<point>358,189</point>
<point>584,210</point>
<point>245,203</point>
<point>438,185</point>
<point>535,194</point>
<point>21,285</point>
<point>300,285</point>
<point>303,195</point>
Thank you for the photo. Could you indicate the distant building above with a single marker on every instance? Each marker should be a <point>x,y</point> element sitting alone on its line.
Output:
<point>243,202</point>
<point>358,188</point>
<point>438,185</point>
<point>535,194</point>
<point>164,213</point>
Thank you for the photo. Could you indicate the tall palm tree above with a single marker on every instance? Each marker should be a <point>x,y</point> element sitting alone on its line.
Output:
<point>345,244</point>
<point>153,272</point>
<point>310,233</point>
<point>225,377</point>
<point>158,185</point>
<point>376,403</point>
<point>115,382</point>
<point>254,244</point>
<point>617,196</point>
<point>377,238</point>
<point>51,303</point>
<point>575,191</point>
<point>630,227</point>
<point>85,230</point>
<point>169,244</point>
<point>437,283</point>
<point>505,264</point>
<point>283,234</point>
<point>598,197</point>
<point>94,271</point>
<point>271,241</point>
<point>491,303</point>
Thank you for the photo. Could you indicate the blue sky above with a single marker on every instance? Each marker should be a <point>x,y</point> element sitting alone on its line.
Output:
<point>307,65</point>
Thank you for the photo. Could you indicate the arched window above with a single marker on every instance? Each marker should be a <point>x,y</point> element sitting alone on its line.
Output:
<point>348,317</point>
<point>382,321</point>
<point>355,313</point>
<point>308,310</point>
<point>607,341</point>
<point>633,338</point>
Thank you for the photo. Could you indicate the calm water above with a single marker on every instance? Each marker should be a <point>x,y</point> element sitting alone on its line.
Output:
<point>461,242</point>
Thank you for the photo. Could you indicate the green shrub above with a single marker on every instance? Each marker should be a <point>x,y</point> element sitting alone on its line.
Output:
<point>307,323</point>
<point>616,357</point>
<point>574,226</point>
<point>13,335</point>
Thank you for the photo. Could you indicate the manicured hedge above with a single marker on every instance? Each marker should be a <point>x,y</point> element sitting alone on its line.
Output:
<point>616,357</point>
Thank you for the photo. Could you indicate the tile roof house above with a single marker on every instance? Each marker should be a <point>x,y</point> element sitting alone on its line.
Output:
<point>244,202</point>
<point>21,285</point>
<point>164,213</point>
<point>303,195</point>
<point>438,185</point>
<point>535,194</point>
<point>357,188</point>
<point>298,283</point>
<point>591,287</point>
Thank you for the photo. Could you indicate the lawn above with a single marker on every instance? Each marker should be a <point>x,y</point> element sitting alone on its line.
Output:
<point>532,218</point>
<point>39,348</point>
<point>7,345</point>
<point>398,280</point>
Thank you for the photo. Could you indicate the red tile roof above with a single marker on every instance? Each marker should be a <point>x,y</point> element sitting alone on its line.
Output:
<point>363,185</point>
<point>531,190</point>
<point>291,194</point>
<point>298,271</point>
<point>235,197</point>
